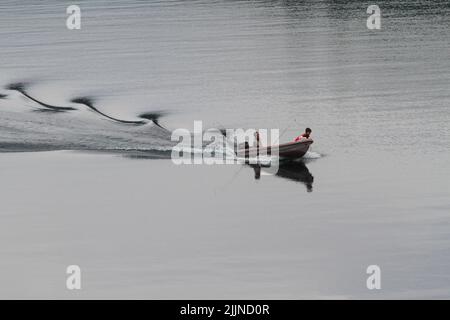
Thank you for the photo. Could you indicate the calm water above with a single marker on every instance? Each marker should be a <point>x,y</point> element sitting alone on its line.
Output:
<point>139,227</point>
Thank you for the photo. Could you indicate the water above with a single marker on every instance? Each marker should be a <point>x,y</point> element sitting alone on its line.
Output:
<point>105,196</point>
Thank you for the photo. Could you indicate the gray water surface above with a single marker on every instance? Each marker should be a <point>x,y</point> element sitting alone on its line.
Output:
<point>377,176</point>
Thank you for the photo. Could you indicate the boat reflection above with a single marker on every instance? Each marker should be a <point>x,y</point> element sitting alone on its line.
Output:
<point>295,171</point>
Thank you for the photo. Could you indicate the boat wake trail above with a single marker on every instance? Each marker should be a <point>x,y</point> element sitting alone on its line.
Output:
<point>89,102</point>
<point>73,128</point>
<point>22,86</point>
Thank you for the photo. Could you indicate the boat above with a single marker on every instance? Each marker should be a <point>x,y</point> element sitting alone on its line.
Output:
<point>290,150</point>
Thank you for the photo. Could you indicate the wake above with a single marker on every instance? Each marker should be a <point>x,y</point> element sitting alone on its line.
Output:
<point>148,117</point>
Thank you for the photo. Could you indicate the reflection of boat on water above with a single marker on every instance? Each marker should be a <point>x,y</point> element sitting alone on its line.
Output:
<point>290,150</point>
<point>295,171</point>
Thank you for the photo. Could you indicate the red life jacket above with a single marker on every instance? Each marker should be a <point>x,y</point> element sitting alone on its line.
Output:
<point>300,137</point>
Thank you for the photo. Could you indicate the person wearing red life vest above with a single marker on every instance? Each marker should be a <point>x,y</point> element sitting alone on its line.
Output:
<point>304,135</point>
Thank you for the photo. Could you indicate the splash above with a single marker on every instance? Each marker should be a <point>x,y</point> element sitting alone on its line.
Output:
<point>312,155</point>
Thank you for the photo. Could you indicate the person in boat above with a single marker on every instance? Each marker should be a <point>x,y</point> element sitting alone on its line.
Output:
<point>304,135</point>
<point>257,139</point>
<point>257,142</point>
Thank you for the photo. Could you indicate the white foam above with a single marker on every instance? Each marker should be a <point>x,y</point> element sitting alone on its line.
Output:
<point>312,155</point>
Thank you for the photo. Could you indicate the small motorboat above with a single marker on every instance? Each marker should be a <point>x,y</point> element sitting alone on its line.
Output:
<point>290,150</point>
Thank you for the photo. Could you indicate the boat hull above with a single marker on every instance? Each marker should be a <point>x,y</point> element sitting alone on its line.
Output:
<point>291,150</point>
